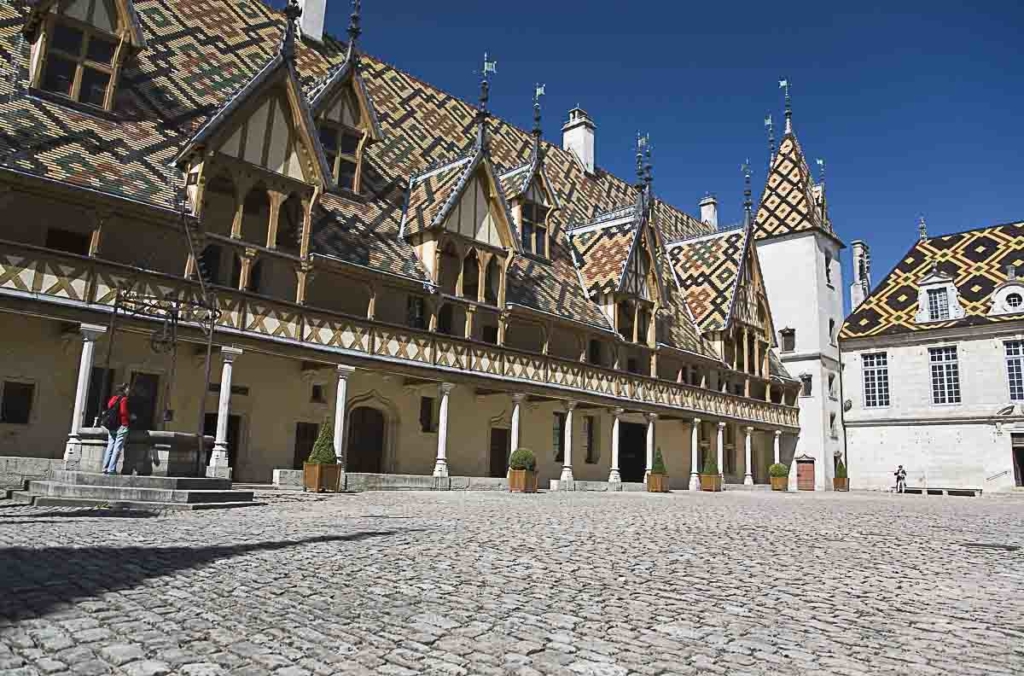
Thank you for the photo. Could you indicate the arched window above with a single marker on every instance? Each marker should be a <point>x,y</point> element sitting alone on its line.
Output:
<point>448,274</point>
<point>626,319</point>
<point>289,225</point>
<point>219,205</point>
<point>471,276</point>
<point>256,216</point>
<point>492,284</point>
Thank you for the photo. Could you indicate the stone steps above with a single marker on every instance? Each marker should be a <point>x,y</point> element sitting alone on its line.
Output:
<point>152,493</point>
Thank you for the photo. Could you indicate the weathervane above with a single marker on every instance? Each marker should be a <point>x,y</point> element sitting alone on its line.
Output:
<point>784,84</point>
<point>642,141</point>
<point>821,169</point>
<point>922,228</point>
<point>538,91</point>
<point>490,67</point>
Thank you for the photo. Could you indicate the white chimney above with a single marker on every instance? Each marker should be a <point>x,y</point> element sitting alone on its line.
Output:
<point>709,210</point>
<point>861,286</point>
<point>578,136</point>
<point>311,21</point>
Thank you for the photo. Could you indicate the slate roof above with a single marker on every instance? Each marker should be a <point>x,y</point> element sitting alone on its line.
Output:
<point>789,203</point>
<point>602,249</point>
<point>707,268</point>
<point>976,260</point>
<point>200,54</point>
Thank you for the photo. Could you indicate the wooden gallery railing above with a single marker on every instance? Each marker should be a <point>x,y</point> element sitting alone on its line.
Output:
<point>87,282</point>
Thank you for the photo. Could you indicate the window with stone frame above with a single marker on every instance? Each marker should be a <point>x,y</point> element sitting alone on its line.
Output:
<point>788,339</point>
<point>80,51</point>
<point>945,372</point>
<point>1015,368</point>
<point>806,383</point>
<point>16,402</point>
<point>534,228</point>
<point>938,304</point>
<point>343,150</point>
<point>876,379</point>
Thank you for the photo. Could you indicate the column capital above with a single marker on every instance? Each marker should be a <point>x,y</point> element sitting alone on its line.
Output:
<point>229,352</point>
<point>570,405</point>
<point>518,397</point>
<point>344,371</point>
<point>722,425</point>
<point>749,430</point>
<point>651,417</point>
<point>697,421</point>
<point>91,332</point>
<point>446,388</point>
<point>778,433</point>
<point>617,412</point>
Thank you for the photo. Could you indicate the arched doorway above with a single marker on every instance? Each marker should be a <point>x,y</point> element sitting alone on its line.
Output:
<point>365,449</point>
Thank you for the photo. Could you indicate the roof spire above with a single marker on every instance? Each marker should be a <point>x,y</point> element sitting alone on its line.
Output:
<point>648,166</point>
<point>291,14</point>
<point>747,202</point>
<point>490,67</point>
<point>784,84</point>
<point>538,91</point>
<point>770,126</point>
<point>354,29</point>
<point>821,170</point>
<point>922,228</point>
<point>641,143</point>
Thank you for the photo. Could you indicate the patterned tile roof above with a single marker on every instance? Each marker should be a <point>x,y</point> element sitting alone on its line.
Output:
<point>602,252</point>
<point>201,53</point>
<point>707,268</point>
<point>789,203</point>
<point>432,194</point>
<point>976,261</point>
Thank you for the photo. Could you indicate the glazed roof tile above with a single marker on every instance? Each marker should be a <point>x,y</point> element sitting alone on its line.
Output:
<point>977,262</point>
<point>788,204</point>
<point>707,268</point>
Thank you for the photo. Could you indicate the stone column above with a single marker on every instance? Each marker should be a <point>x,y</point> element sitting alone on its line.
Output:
<point>517,406</point>
<point>340,398</point>
<point>441,466</point>
<point>721,450</point>
<point>613,474</point>
<point>651,417</point>
<point>73,447</point>
<point>778,436</point>
<point>219,457</point>
<point>567,456</point>
<point>748,477</point>
<point>695,455</point>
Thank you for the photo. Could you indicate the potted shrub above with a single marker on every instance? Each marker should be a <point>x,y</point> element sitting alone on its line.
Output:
<point>321,471</point>
<point>522,471</point>
<point>657,480</point>
<point>710,479</point>
<point>779,476</point>
<point>841,482</point>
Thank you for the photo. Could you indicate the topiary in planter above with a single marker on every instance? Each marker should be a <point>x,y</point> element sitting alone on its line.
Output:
<point>659,464</point>
<point>710,465</point>
<point>321,471</point>
<point>523,458</point>
<point>841,482</point>
<point>841,471</point>
<point>710,479</point>
<point>778,470</point>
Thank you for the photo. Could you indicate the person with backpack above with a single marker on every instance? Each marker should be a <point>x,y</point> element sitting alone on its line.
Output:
<point>116,420</point>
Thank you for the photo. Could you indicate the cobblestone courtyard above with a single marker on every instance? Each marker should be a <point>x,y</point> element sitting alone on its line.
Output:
<point>459,583</point>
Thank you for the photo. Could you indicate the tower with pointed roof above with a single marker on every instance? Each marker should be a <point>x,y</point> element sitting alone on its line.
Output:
<point>799,253</point>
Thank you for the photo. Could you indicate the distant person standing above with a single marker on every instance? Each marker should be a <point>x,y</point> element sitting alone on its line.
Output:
<point>901,479</point>
<point>116,419</point>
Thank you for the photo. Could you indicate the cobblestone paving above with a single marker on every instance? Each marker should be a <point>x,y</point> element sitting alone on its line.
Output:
<point>475,583</point>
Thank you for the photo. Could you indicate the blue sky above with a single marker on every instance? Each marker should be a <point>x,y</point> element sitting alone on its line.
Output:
<point>914,110</point>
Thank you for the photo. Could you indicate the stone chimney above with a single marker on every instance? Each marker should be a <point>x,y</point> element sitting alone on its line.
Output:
<point>578,136</point>
<point>709,210</point>
<point>861,286</point>
<point>311,21</point>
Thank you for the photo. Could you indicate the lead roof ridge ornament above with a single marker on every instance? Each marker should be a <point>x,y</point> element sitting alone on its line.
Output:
<point>354,29</point>
<point>292,12</point>
<point>784,84</point>
<point>642,140</point>
<point>747,201</point>
<point>922,228</point>
<point>538,91</point>
<point>770,126</point>
<point>489,68</point>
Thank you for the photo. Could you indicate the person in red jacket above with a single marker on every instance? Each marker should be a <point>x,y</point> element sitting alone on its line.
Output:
<point>117,430</point>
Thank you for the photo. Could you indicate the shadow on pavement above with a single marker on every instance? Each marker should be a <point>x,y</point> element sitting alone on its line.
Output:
<point>35,580</point>
<point>84,512</point>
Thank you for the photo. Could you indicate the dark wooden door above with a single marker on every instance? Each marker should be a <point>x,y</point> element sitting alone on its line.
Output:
<point>365,450</point>
<point>632,451</point>
<point>142,402</point>
<point>501,442</point>
<point>305,436</point>
<point>805,476</point>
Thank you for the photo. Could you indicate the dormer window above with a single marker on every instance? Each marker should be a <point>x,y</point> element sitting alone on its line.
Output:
<point>938,304</point>
<point>80,50</point>
<point>535,229</point>
<point>937,299</point>
<point>343,150</point>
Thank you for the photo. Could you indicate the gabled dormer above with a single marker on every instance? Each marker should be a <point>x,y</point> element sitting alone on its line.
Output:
<point>938,299</point>
<point>79,48</point>
<point>346,120</point>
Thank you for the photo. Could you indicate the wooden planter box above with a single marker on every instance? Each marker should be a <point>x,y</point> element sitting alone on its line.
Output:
<point>780,483</point>
<point>657,483</point>
<point>842,485</point>
<point>321,478</point>
<point>711,482</point>
<point>522,481</point>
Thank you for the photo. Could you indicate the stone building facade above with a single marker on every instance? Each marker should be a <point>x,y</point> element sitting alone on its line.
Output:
<point>439,284</point>
<point>933,362</point>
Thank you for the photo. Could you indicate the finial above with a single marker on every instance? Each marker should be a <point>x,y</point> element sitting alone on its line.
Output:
<point>922,228</point>
<point>648,165</point>
<point>354,30</point>
<point>747,202</point>
<point>538,91</point>
<point>490,67</point>
<point>292,11</point>
<point>784,84</point>
<point>770,126</point>
<point>821,169</point>
<point>641,143</point>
